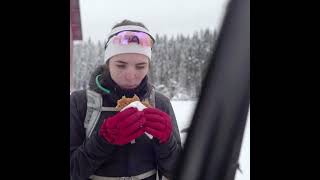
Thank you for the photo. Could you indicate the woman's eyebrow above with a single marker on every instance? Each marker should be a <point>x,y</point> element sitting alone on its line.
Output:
<point>143,63</point>
<point>122,62</point>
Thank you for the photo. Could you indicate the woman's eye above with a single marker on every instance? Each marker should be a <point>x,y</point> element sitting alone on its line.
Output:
<point>121,66</point>
<point>140,67</point>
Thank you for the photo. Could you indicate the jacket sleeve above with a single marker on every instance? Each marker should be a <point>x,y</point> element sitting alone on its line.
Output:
<point>167,154</point>
<point>85,155</point>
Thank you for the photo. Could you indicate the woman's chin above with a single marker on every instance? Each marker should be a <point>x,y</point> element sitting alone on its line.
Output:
<point>129,87</point>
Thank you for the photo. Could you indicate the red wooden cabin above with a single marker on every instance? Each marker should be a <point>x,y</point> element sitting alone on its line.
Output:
<point>75,31</point>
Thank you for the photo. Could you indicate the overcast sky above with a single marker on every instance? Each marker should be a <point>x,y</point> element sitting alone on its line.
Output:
<point>160,16</point>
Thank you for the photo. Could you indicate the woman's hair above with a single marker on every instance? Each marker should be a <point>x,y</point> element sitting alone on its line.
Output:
<point>128,22</point>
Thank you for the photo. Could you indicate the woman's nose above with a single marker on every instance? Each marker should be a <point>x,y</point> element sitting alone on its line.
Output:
<point>130,74</point>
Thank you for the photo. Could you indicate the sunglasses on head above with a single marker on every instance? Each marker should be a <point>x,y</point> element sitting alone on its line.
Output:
<point>127,37</point>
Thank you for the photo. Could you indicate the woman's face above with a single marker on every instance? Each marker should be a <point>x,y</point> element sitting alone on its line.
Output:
<point>128,70</point>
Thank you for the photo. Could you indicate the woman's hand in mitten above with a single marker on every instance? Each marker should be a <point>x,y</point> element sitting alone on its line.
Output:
<point>123,127</point>
<point>158,124</point>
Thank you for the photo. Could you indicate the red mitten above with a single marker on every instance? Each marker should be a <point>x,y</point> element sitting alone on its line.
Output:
<point>123,127</point>
<point>158,124</point>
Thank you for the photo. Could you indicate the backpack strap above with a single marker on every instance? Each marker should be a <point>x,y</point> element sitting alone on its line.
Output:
<point>152,99</point>
<point>94,109</point>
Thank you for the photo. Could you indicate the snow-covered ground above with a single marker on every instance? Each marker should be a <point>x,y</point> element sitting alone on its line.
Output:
<point>184,111</point>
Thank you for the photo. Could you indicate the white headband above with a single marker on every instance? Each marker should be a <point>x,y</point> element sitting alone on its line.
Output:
<point>115,49</point>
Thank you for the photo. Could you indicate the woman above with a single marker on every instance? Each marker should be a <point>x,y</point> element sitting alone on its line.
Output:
<point>119,146</point>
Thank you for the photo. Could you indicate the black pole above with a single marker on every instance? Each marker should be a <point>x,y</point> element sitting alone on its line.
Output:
<point>214,138</point>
